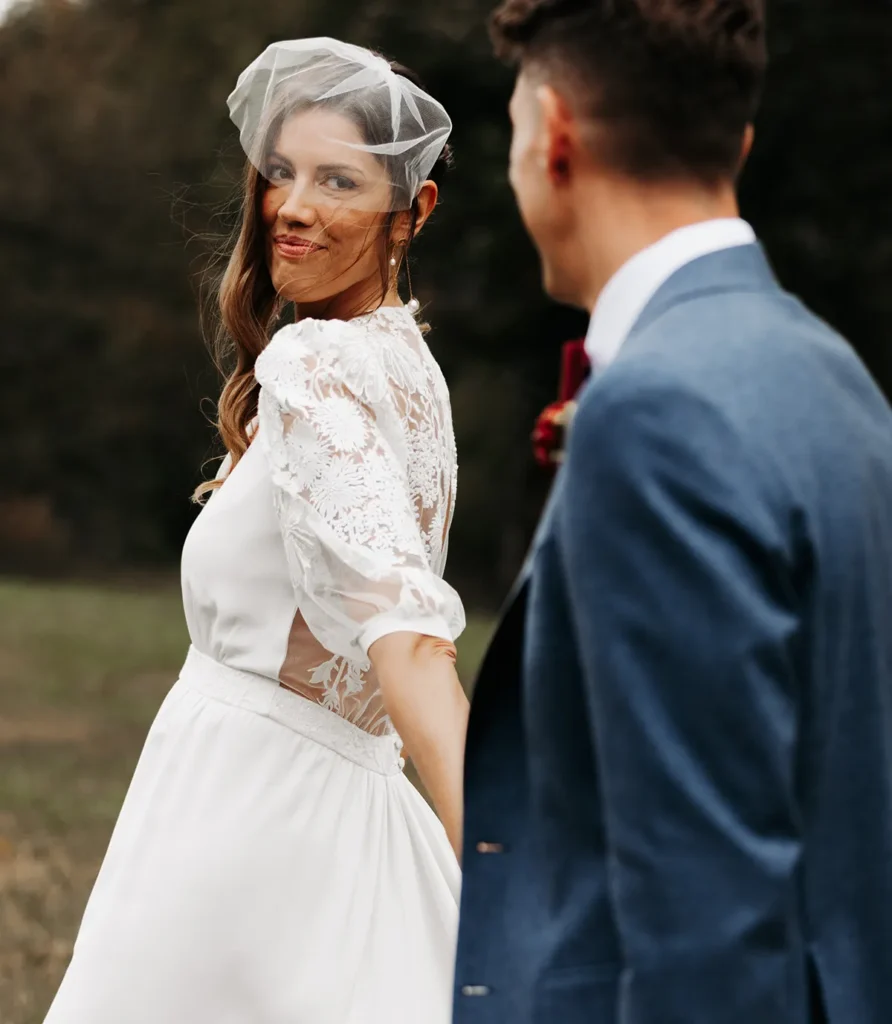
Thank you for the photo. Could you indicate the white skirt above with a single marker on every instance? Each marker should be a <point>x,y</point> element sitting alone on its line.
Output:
<point>271,865</point>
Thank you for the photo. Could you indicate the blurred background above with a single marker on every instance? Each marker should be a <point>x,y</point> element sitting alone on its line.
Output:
<point>118,168</point>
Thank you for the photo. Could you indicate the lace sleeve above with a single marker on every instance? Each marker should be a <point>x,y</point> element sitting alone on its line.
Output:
<point>353,542</point>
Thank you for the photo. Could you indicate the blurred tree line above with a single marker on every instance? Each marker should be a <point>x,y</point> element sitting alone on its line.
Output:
<point>118,166</point>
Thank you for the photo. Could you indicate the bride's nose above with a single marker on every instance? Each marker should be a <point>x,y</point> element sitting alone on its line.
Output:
<point>298,206</point>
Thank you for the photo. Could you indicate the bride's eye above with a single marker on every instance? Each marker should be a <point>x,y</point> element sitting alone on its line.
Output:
<point>276,174</point>
<point>339,183</point>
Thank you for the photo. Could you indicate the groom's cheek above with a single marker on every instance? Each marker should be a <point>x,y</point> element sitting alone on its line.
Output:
<point>514,161</point>
<point>521,174</point>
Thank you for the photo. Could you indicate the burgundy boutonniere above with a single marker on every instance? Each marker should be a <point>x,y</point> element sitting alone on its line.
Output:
<point>549,434</point>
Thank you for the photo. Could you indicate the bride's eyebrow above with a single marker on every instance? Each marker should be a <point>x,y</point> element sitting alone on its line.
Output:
<point>340,169</point>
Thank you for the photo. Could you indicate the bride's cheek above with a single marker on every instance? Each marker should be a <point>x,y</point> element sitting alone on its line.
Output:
<point>269,209</point>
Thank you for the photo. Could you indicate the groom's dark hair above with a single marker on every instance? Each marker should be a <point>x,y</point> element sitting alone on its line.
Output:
<point>671,84</point>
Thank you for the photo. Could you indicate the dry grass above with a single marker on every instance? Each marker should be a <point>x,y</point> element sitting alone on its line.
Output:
<point>82,672</point>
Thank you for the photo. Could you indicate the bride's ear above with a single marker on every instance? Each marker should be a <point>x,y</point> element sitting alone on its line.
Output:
<point>427,201</point>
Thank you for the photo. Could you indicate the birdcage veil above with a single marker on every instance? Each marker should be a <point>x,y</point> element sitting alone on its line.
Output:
<point>398,122</point>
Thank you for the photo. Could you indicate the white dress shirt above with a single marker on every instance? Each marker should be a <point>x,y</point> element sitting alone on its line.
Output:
<point>631,288</point>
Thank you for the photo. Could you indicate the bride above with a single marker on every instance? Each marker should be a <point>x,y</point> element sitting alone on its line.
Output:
<point>271,863</point>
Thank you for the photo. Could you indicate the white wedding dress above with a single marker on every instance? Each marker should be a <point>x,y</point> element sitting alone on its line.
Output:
<point>271,863</point>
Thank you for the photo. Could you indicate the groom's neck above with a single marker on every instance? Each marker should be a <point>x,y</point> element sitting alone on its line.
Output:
<point>621,219</point>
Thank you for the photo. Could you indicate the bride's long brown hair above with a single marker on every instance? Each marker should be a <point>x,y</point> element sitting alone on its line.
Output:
<point>246,306</point>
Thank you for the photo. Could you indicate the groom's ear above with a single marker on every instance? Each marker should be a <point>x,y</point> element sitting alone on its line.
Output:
<point>561,135</point>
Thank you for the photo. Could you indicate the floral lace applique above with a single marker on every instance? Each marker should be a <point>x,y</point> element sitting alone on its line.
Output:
<point>355,419</point>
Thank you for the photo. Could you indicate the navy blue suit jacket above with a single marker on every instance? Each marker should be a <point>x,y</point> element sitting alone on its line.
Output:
<point>679,762</point>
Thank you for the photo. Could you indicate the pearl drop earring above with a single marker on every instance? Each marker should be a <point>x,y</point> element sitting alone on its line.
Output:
<point>393,261</point>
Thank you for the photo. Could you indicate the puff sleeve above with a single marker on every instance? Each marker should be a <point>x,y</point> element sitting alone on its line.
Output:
<point>350,525</point>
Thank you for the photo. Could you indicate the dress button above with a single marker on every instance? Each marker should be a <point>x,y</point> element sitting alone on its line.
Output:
<point>475,990</point>
<point>490,848</point>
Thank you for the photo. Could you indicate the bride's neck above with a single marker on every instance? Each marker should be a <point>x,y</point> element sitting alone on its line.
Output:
<point>354,301</point>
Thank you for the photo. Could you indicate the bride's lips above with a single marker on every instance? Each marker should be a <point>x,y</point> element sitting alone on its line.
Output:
<point>292,248</point>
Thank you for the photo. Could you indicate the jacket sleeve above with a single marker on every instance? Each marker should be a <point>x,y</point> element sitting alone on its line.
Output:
<point>679,566</point>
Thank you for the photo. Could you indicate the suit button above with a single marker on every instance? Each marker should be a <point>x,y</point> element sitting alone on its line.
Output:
<point>475,990</point>
<point>490,848</point>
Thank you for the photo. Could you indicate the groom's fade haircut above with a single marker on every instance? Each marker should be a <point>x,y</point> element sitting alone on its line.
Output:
<point>670,85</point>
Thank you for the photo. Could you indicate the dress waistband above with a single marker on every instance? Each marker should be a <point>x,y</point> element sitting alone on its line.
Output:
<point>268,698</point>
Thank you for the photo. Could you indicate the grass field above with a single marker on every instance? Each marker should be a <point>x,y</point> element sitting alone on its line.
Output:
<point>82,673</point>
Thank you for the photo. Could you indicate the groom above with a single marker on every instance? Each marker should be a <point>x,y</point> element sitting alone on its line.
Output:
<point>679,763</point>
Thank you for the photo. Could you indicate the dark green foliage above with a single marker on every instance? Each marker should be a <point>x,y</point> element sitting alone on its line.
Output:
<point>117,158</point>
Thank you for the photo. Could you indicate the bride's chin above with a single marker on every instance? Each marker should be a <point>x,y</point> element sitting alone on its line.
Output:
<point>294,291</point>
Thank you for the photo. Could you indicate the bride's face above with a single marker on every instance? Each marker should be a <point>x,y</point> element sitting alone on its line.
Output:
<point>325,210</point>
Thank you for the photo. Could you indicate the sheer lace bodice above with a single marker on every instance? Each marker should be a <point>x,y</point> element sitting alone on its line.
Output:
<point>359,468</point>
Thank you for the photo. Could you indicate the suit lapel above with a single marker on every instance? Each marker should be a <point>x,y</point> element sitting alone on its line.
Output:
<point>545,521</point>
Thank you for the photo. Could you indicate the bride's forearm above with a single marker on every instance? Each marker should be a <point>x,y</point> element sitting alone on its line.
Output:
<point>429,709</point>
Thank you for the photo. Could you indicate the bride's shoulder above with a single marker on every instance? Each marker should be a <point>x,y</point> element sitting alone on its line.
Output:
<point>301,352</point>
<point>369,355</point>
<point>308,337</point>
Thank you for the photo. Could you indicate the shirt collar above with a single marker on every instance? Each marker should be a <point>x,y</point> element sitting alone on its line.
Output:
<point>631,288</point>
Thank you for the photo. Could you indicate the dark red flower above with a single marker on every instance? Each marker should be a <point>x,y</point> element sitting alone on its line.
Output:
<point>548,434</point>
